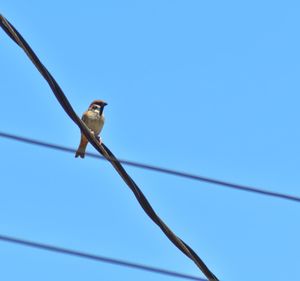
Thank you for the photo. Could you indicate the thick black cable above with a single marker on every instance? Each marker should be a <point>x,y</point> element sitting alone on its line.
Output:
<point>155,168</point>
<point>18,39</point>
<point>97,258</point>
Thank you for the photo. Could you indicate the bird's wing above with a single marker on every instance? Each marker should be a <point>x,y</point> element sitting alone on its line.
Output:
<point>85,117</point>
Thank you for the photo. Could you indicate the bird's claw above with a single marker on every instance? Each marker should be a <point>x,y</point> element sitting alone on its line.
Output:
<point>99,139</point>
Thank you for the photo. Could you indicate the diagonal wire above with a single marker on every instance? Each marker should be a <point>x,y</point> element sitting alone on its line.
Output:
<point>97,258</point>
<point>156,168</point>
<point>102,149</point>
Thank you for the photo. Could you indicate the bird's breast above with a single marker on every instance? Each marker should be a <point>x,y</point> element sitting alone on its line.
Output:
<point>94,121</point>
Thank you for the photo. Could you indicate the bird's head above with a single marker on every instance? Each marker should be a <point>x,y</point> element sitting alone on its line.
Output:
<point>98,105</point>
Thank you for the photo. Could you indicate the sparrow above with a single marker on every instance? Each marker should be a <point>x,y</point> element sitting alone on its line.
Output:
<point>94,119</point>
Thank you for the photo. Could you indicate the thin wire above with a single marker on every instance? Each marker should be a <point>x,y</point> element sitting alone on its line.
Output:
<point>97,258</point>
<point>156,169</point>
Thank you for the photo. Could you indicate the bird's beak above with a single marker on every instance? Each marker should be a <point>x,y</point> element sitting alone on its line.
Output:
<point>104,104</point>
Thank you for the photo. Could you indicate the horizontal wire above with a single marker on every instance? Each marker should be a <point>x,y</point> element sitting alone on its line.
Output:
<point>156,168</point>
<point>97,258</point>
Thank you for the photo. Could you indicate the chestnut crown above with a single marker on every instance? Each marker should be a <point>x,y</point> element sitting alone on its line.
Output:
<point>101,103</point>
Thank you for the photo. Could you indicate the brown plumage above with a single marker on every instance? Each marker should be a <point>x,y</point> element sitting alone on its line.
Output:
<point>94,119</point>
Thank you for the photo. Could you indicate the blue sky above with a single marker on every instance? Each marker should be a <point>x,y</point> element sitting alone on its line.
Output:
<point>206,87</point>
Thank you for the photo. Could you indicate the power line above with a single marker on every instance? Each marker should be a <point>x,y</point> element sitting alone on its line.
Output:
<point>97,258</point>
<point>155,168</point>
<point>104,150</point>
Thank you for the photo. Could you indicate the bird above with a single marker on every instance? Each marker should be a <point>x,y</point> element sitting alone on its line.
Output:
<point>94,119</point>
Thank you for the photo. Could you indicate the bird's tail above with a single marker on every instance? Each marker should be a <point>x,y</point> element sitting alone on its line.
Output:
<point>82,146</point>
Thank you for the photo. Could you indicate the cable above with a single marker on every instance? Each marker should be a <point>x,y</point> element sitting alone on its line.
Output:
<point>156,168</point>
<point>97,258</point>
<point>103,150</point>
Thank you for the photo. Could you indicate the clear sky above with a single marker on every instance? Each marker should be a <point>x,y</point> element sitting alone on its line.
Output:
<point>207,87</point>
